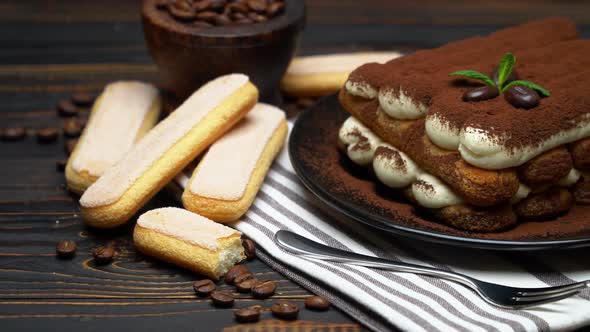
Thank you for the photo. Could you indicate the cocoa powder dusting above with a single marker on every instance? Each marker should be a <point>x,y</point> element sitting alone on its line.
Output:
<point>424,185</point>
<point>393,155</point>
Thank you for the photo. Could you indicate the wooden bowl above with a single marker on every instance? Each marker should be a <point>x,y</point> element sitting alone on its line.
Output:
<point>189,56</point>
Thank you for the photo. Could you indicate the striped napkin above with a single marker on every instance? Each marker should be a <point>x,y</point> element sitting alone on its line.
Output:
<point>383,300</point>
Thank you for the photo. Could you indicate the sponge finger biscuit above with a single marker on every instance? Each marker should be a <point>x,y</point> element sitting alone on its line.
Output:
<point>321,75</point>
<point>186,239</point>
<point>166,150</point>
<point>226,181</point>
<point>121,115</point>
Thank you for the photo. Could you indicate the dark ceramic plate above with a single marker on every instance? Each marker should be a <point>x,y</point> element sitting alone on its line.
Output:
<point>352,191</point>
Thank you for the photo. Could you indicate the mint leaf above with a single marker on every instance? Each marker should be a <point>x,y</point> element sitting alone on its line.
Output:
<point>531,85</point>
<point>505,68</point>
<point>475,75</point>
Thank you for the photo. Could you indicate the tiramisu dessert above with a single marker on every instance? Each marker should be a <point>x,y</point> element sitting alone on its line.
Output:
<point>483,132</point>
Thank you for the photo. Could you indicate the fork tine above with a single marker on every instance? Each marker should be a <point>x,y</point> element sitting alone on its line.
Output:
<point>549,297</point>
<point>553,290</point>
<point>522,305</point>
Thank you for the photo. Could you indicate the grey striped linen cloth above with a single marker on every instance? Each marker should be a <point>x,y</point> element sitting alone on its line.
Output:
<point>383,300</point>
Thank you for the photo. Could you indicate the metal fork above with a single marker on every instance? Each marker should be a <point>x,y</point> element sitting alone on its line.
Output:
<point>498,295</point>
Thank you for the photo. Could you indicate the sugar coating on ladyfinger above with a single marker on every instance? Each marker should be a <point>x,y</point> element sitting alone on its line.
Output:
<point>121,115</point>
<point>227,179</point>
<point>189,240</point>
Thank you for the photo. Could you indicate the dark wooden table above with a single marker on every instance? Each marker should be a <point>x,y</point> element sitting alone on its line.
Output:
<point>49,49</point>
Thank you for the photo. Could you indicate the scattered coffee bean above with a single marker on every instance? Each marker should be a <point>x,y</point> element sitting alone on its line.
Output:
<point>222,298</point>
<point>60,165</point>
<point>70,145</point>
<point>204,287</point>
<point>264,289</point>
<point>66,249</point>
<point>103,255</point>
<point>72,128</point>
<point>481,93</point>
<point>243,277</point>
<point>248,315</point>
<point>67,108</point>
<point>521,96</point>
<point>513,77</point>
<point>317,303</point>
<point>47,135</point>
<point>249,248</point>
<point>13,134</point>
<point>235,271</point>
<point>285,310</point>
<point>246,285</point>
<point>83,99</point>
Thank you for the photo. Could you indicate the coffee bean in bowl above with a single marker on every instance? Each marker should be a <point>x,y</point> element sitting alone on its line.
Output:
<point>200,43</point>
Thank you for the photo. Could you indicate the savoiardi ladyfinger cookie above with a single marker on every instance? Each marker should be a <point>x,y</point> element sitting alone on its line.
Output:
<point>121,115</point>
<point>166,150</point>
<point>226,181</point>
<point>189,240</point>
<point>321,75</point>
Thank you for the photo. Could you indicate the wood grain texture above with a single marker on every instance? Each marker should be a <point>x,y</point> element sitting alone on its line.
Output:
<point>53,48</point>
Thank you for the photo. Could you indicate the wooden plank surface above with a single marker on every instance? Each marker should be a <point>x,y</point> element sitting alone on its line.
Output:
<point>49,49</point>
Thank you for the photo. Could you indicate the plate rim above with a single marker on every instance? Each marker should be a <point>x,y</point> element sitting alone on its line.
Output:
<point>407,231</point>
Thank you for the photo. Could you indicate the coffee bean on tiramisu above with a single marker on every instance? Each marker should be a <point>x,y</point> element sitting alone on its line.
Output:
<point>285,310</point>
<point>222,298</point>
<point>248,314</point>
<point>482,93</point>
<point>264,289</point>
<point>204,287</point>
<point>317,303</point>
<point>60,165</point>
<point>47,135</point>
<point>83,99</point>
<point>249,249</point>
<point>72,128</point>
<point>521,96</point>
<point>70,145</point>
<point>65,249</point>
<point>246,285</point>
<point>103,255</point>
<point>67,108</point>
<point>234,272</point>
<point>207,16</point>
<point>13,134</point>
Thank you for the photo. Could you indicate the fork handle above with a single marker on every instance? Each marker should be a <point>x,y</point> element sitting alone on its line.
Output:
<point>301,245</point>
